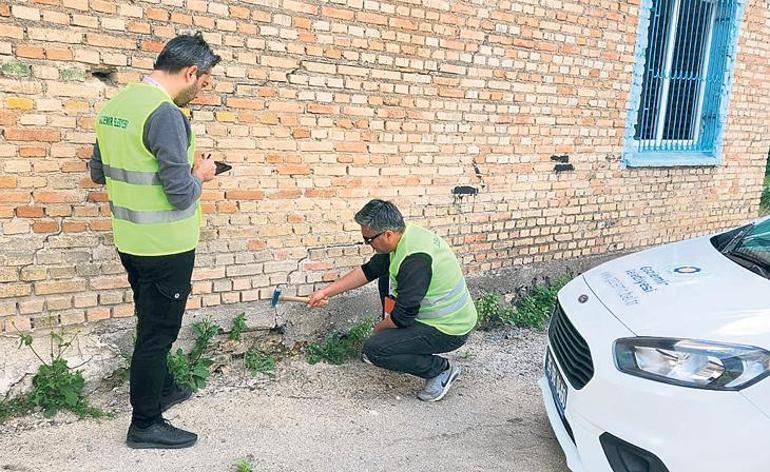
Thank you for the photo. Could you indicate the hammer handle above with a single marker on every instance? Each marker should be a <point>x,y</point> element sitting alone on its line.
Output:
<point>290,298</point>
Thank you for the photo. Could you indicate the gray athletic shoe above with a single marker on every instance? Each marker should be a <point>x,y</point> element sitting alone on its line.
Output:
<point>438,386</point>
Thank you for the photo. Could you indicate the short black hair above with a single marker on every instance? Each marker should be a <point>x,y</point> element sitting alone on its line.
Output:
<point>185,51</point>
<point>379,215</point>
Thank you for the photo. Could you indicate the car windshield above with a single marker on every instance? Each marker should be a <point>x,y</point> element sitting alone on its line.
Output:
<point>755,244</point>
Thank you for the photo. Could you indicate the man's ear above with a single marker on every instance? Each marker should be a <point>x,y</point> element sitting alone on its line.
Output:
<point>191,73</point>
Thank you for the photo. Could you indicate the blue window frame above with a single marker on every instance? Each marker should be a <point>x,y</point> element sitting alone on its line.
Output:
<point>682,79</point>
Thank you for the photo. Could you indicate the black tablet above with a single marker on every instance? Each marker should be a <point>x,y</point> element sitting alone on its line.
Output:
<point>221,167</point>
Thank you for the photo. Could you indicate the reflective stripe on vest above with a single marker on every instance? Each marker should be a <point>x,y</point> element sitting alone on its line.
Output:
<point>151,217</point>
<point>428,302</point>
<point>131,176</point>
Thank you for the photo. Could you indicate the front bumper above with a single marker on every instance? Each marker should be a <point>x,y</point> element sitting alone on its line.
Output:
<point>687,429</point>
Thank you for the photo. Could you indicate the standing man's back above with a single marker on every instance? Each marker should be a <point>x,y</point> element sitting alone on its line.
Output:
<point>145,154</point>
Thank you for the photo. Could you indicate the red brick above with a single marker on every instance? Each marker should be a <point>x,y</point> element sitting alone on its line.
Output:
<point>257,245</point>
<point>74,227</point>
<point>101,225</point>
<point>319,108</point>
<point>239,12</point>
<point>58,54</point>
<point>45,227</point>
<point>10,31</point>
<point>350,147</point>
<point>248,104</point>
<point>32,134</point>
<point>32,52</point>
<point>32,152</point>
<point>15,197</point>
<point>152,46</point>
<point>56,197</point>
<point>181,19</point>
<point>157,14</point>
<point>244,195</point>
<point>30,212</point>
<point>104,6</point>
<point>337,13</point>
<point>7,181</point>
<point>293,169</point>
<point>110,41</point>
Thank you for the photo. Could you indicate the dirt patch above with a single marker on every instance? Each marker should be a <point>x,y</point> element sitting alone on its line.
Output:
<point>324,418</point>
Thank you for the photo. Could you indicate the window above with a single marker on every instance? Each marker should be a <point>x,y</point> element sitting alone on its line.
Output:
<point>681,82</point>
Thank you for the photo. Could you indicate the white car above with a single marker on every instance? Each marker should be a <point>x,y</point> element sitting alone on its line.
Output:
<point>658,361</point>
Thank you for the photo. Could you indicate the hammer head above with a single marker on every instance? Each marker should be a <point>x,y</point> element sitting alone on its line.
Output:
<point>276,295</point>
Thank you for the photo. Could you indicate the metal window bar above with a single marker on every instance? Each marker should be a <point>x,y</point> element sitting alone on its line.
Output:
<point>685,66</point>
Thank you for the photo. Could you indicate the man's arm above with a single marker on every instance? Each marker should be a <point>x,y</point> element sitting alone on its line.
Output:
<point>167,135</point>
<point>95,166</point>
<point>358,277</point>
<point>413,279</point>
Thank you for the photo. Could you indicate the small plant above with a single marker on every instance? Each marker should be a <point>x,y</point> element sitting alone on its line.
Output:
<point>530,311</point>
<point>338,348</point>
<point>764,201</point>
<point>492,312</point>
<point>537,306</point>
<point>13,407</point>
<point>259,362</point>
<point>193,369</point>
<point>244,465</point>
<point>239,325</point>
<point>55,386</point>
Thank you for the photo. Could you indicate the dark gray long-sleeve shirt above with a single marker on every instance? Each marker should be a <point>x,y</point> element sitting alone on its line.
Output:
<point>166,135</point>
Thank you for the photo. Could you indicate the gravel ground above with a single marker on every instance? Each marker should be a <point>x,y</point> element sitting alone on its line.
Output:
<point>324,418</point>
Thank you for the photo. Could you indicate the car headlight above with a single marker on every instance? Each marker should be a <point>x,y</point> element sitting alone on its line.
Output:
<point>692,363</point>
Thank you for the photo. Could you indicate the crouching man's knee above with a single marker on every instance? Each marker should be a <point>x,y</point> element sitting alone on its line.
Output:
<point>373,351</point>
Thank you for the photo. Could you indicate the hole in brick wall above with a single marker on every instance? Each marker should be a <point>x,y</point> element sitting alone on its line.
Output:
<point>105,74</point>
<point>563,168</point>
<point>465,190</point>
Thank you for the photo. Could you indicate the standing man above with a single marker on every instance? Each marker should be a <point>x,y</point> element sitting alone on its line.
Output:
<point>145,153</point>
<point>427,308</point>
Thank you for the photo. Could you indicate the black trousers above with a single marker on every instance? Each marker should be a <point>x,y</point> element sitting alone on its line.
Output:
<point>161,286</point>
<point>412,349</point>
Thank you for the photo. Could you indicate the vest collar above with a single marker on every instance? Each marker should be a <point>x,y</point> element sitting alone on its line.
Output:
<point>152,82</point>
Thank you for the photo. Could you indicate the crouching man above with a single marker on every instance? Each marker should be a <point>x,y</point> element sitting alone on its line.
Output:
<point>427,309</point>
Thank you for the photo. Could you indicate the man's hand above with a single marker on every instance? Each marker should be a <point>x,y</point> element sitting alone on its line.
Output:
<point>386,323</point>
<point>318,299</point>
<point>204,168</point>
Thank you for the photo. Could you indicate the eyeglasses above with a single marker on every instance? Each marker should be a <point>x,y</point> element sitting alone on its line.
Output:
<point>372,238</point>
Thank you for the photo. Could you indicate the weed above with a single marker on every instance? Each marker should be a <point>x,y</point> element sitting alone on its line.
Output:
<point>259,362</point>
<point>193,369</point>
<point>239,325</point>
<point>492,313</point>
<point>530,311</point>
<point>55,386</point>
<point>338,348</point>
<point>244,465</point>
<point>764,202</point>
<point>537,306</point>
<point>13,407</point>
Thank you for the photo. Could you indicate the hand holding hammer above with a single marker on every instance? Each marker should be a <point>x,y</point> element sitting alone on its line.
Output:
<point>277,298</point>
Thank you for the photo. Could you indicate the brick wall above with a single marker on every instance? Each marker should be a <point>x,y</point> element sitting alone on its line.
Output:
<point>321,105</point>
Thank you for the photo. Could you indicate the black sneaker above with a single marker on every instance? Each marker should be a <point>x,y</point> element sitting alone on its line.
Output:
<point>177,396</point>
<point>159,436</point>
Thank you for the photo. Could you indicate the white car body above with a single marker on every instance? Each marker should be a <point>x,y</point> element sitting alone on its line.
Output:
<point>684,290</point>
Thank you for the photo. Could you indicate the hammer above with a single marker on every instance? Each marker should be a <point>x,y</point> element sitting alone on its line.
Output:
<point>277,297</point>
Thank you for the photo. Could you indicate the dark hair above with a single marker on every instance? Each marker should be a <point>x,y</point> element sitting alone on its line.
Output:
<point>185,51</point>
<point>379,216</point>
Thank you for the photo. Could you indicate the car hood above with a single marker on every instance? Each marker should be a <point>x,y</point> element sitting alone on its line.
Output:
<point>686,289</point>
